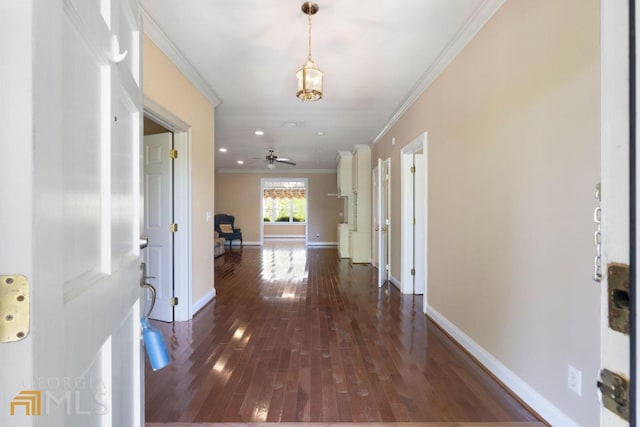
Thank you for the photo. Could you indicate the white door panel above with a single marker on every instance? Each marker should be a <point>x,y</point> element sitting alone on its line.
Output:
<point>158,207</point>
<point>614,179</point>
<point>80,214</point>
<point>419,232</point>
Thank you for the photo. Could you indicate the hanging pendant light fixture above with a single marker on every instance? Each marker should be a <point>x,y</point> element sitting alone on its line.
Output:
<point>309,76</point>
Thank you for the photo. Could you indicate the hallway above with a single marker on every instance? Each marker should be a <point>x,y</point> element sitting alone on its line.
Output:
<point>297,335</point>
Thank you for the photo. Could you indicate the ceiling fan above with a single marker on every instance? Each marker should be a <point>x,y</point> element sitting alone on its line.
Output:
<point>272,159</point>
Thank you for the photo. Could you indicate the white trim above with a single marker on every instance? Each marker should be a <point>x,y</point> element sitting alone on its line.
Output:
<point>468,31</point>
<point>183,265</point>
<point>199,305</point>
<point>245,243</point>
<point>517,385</point>
<point>406,248</point>
<point>164,117</point>
<point>182,203</point>
<point>284,236</point>
<point>155,33</point>
<point>322,244</point>
<point>394,281</point>
<point>277,171</point>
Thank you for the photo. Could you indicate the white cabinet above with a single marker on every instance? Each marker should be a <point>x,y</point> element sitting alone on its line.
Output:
<point>344,173</point>
<point>343,240</point>
<point>360,239</point>
<point>354,182</point>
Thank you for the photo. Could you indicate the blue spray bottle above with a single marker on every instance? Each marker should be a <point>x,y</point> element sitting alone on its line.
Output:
<point>152,337</point>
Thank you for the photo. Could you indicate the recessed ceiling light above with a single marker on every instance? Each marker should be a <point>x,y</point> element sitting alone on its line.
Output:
<point>290,124</point>
<point>223,150</point>
<point>240,162</point>
<point>320,133</point>
<point>259,132</point>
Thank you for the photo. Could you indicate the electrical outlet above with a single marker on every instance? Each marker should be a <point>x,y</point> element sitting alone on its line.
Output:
<point>574,380</point>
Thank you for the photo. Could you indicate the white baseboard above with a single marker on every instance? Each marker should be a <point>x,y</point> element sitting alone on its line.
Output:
<point>517,385</point>
<point>284,236</point>
<point>245,243</point>
<point>198,305</point>
<point>322,244</point>
<point>395,281</point>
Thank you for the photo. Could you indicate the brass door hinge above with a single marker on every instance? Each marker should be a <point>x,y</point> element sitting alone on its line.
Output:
<point>615,393</point>
<point>173,153</point>
<point>174,301</point>
<point>173,228</point>
<point>14,308</point>
<point>413,169</point>
<point>413,271</point>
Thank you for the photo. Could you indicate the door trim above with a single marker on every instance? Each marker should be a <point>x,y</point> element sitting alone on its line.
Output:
<point>419,143</point>
<point>183,267</point>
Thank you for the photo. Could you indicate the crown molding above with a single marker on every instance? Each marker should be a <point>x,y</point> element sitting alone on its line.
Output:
<point>277,172</point>
<point>468,31</point>
<point>157,35</point>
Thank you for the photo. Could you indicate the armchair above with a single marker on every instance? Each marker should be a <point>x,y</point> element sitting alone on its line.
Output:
<point>224,225</point>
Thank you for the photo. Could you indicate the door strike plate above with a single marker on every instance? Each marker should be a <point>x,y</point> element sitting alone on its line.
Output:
<point>618,287</point>
<point>14,308</point>
<point>615,393</point>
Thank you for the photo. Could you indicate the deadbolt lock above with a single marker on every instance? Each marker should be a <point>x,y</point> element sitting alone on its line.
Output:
<point>618,291</point>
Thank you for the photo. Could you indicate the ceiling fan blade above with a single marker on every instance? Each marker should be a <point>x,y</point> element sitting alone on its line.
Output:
<point>285,162</point>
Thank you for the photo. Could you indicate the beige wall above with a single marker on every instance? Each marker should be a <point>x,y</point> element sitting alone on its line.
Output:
<point>238,194</point>
<point>165,84</point>
<point>513,157</point>
<point>283,229</point>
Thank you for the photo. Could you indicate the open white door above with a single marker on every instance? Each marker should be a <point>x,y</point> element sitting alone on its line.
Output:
<point>413,186</point>
<point>158,217</point>
<point>383,209</point>
<point>69,252</point>
<point>420,225</point>
<point>614,212</point>
<point>375,219</point>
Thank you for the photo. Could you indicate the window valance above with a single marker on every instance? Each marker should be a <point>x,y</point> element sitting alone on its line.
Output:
<point>284,193</point>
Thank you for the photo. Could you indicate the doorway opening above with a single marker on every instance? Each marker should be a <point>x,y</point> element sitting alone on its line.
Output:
<point>167,208</point>
<point>414,217</point>
<point>382,219</point>
<point>284,209</point>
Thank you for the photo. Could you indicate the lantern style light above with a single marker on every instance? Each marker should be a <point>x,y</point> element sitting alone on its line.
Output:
<point>309,76</point>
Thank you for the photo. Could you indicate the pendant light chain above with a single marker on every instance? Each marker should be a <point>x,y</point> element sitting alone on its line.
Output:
<point>309,16</point>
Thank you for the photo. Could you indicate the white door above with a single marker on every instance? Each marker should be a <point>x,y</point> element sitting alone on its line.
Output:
<point>70,123</point>
<point>419,227</point>
<point>375,223</point>
<point>380,234</point>
<point>158,217</point>
<point>414,240</point>
<point>615,186</point>
<point>384,221</point>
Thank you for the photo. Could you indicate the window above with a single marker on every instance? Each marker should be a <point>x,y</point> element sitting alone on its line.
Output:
<point>284,201</point>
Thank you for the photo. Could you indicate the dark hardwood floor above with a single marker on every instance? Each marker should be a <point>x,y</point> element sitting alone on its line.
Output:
<point>297,335</point>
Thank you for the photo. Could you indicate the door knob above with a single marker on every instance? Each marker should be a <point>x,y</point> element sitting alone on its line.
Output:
<point>144,241</point>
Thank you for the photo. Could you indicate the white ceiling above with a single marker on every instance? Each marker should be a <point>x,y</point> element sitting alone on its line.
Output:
<point>377,56</point>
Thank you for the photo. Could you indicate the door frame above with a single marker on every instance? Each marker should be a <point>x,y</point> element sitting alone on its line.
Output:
<point>383,213</point>
<point>182,259</point>
<point>263,180</point>
<point>419,143</point>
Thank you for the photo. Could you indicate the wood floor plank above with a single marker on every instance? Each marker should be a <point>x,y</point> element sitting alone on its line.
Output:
<point>298,335</point>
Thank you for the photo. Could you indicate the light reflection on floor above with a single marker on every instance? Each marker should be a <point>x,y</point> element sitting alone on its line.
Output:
<point>285,262</point>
